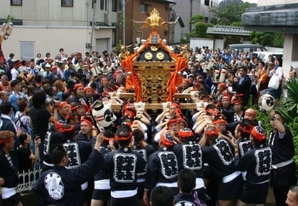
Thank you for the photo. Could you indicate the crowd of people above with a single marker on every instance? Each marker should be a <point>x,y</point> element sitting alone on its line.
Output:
<point>219,155</point>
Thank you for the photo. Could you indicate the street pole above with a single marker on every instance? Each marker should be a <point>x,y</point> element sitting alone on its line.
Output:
<point>190,25</point>
<point>93,25</point>
<point>123,22</point>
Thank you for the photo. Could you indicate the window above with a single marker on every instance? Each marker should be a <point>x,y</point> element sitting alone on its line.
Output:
<point>120,6</point>
<point>102,4</point>
<point>114,37</point>
<point>16,2</point>
<point>67,3</point>
<point>144,8</point>
<point>207,2</point>
<point>15,21</point>
<point>106,5</point>
<point>27,50</point>
<point>114,5</point>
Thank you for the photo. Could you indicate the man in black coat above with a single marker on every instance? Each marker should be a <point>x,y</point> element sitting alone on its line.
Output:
<point>61,186</point>
<point>283,151</point>
<point>243,85</point>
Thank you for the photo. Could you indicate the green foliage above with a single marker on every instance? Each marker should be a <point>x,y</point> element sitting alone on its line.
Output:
<point>229,14</point>
<point>196,18</point>
<point>293,126</point>
<point>118,48</point>
<point>200,30</point>
<point>9,18</point>
<point>278,39</point>
<point>226,3</point>
<point>200,27</point>
<point>184,40</point>
<point>267,38</point>
<point>289,111</point>
<point>264,119</point>
<point>236,24</point>
<point>289,108</point>
<point>213,20</point>
<point>263,38</point>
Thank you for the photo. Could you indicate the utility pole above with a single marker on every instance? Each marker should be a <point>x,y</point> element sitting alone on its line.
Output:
<point>123,22</point>
<point>190,25</point>
<point>93,25</point>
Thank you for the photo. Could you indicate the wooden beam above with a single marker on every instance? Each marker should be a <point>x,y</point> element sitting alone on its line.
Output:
<point>124,95</point>
<point>182,96</point>
<point>159,106</point>
<point>176,95</point>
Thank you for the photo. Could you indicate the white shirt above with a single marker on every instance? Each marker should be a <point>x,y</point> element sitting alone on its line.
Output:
<point>278,71</point>
<point>14,73</point>
<point>59,71</point>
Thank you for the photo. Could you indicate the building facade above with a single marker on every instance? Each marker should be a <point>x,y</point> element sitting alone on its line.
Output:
<point>277,16</point>
<point>46,25</point>
<point>188,8</point>
<point>139,10</point>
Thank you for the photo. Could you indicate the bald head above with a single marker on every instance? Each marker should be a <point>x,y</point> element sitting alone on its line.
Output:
<point>292,196</point>
<point>250,114</point>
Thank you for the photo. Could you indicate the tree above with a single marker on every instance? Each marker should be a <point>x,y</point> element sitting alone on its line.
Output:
<point>200,27</point>
<point>226,3</point>
<point>229,12</point>
<point>289,108</point>
<point>197,18</point>
<point>200,30</point>
<point>267,38</point>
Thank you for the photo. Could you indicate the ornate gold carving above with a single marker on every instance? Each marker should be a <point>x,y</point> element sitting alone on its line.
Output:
<point>154,75</point>
<point>154,85</point>
<point>148,56</point>
<point>160,56</point>
<point>153,48</point>
<point>154,21</point>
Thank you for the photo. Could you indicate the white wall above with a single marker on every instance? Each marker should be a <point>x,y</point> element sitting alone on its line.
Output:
<point>51,39</point>
<point>50,12</point>
<point>288,54</point>
<point>177,33</point>
<point>218,43</point>
<point>200,42</point>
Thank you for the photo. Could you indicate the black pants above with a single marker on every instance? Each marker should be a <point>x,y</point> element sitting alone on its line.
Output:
<point>128,201</point>
<point>12,201</point>
<point>254,94</point>
<point>280,194</point>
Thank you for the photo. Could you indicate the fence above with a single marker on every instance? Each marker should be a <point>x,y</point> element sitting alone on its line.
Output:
<point>27,180</point>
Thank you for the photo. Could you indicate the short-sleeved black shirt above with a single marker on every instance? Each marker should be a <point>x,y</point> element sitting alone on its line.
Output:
<point>40,120</point>
<point>24,162</point>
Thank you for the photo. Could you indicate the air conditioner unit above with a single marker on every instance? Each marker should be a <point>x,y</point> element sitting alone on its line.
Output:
<point>106,18</point>
<point>87,45</point>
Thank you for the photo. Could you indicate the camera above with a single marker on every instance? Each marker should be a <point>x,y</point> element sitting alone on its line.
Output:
<point>55,103</point>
